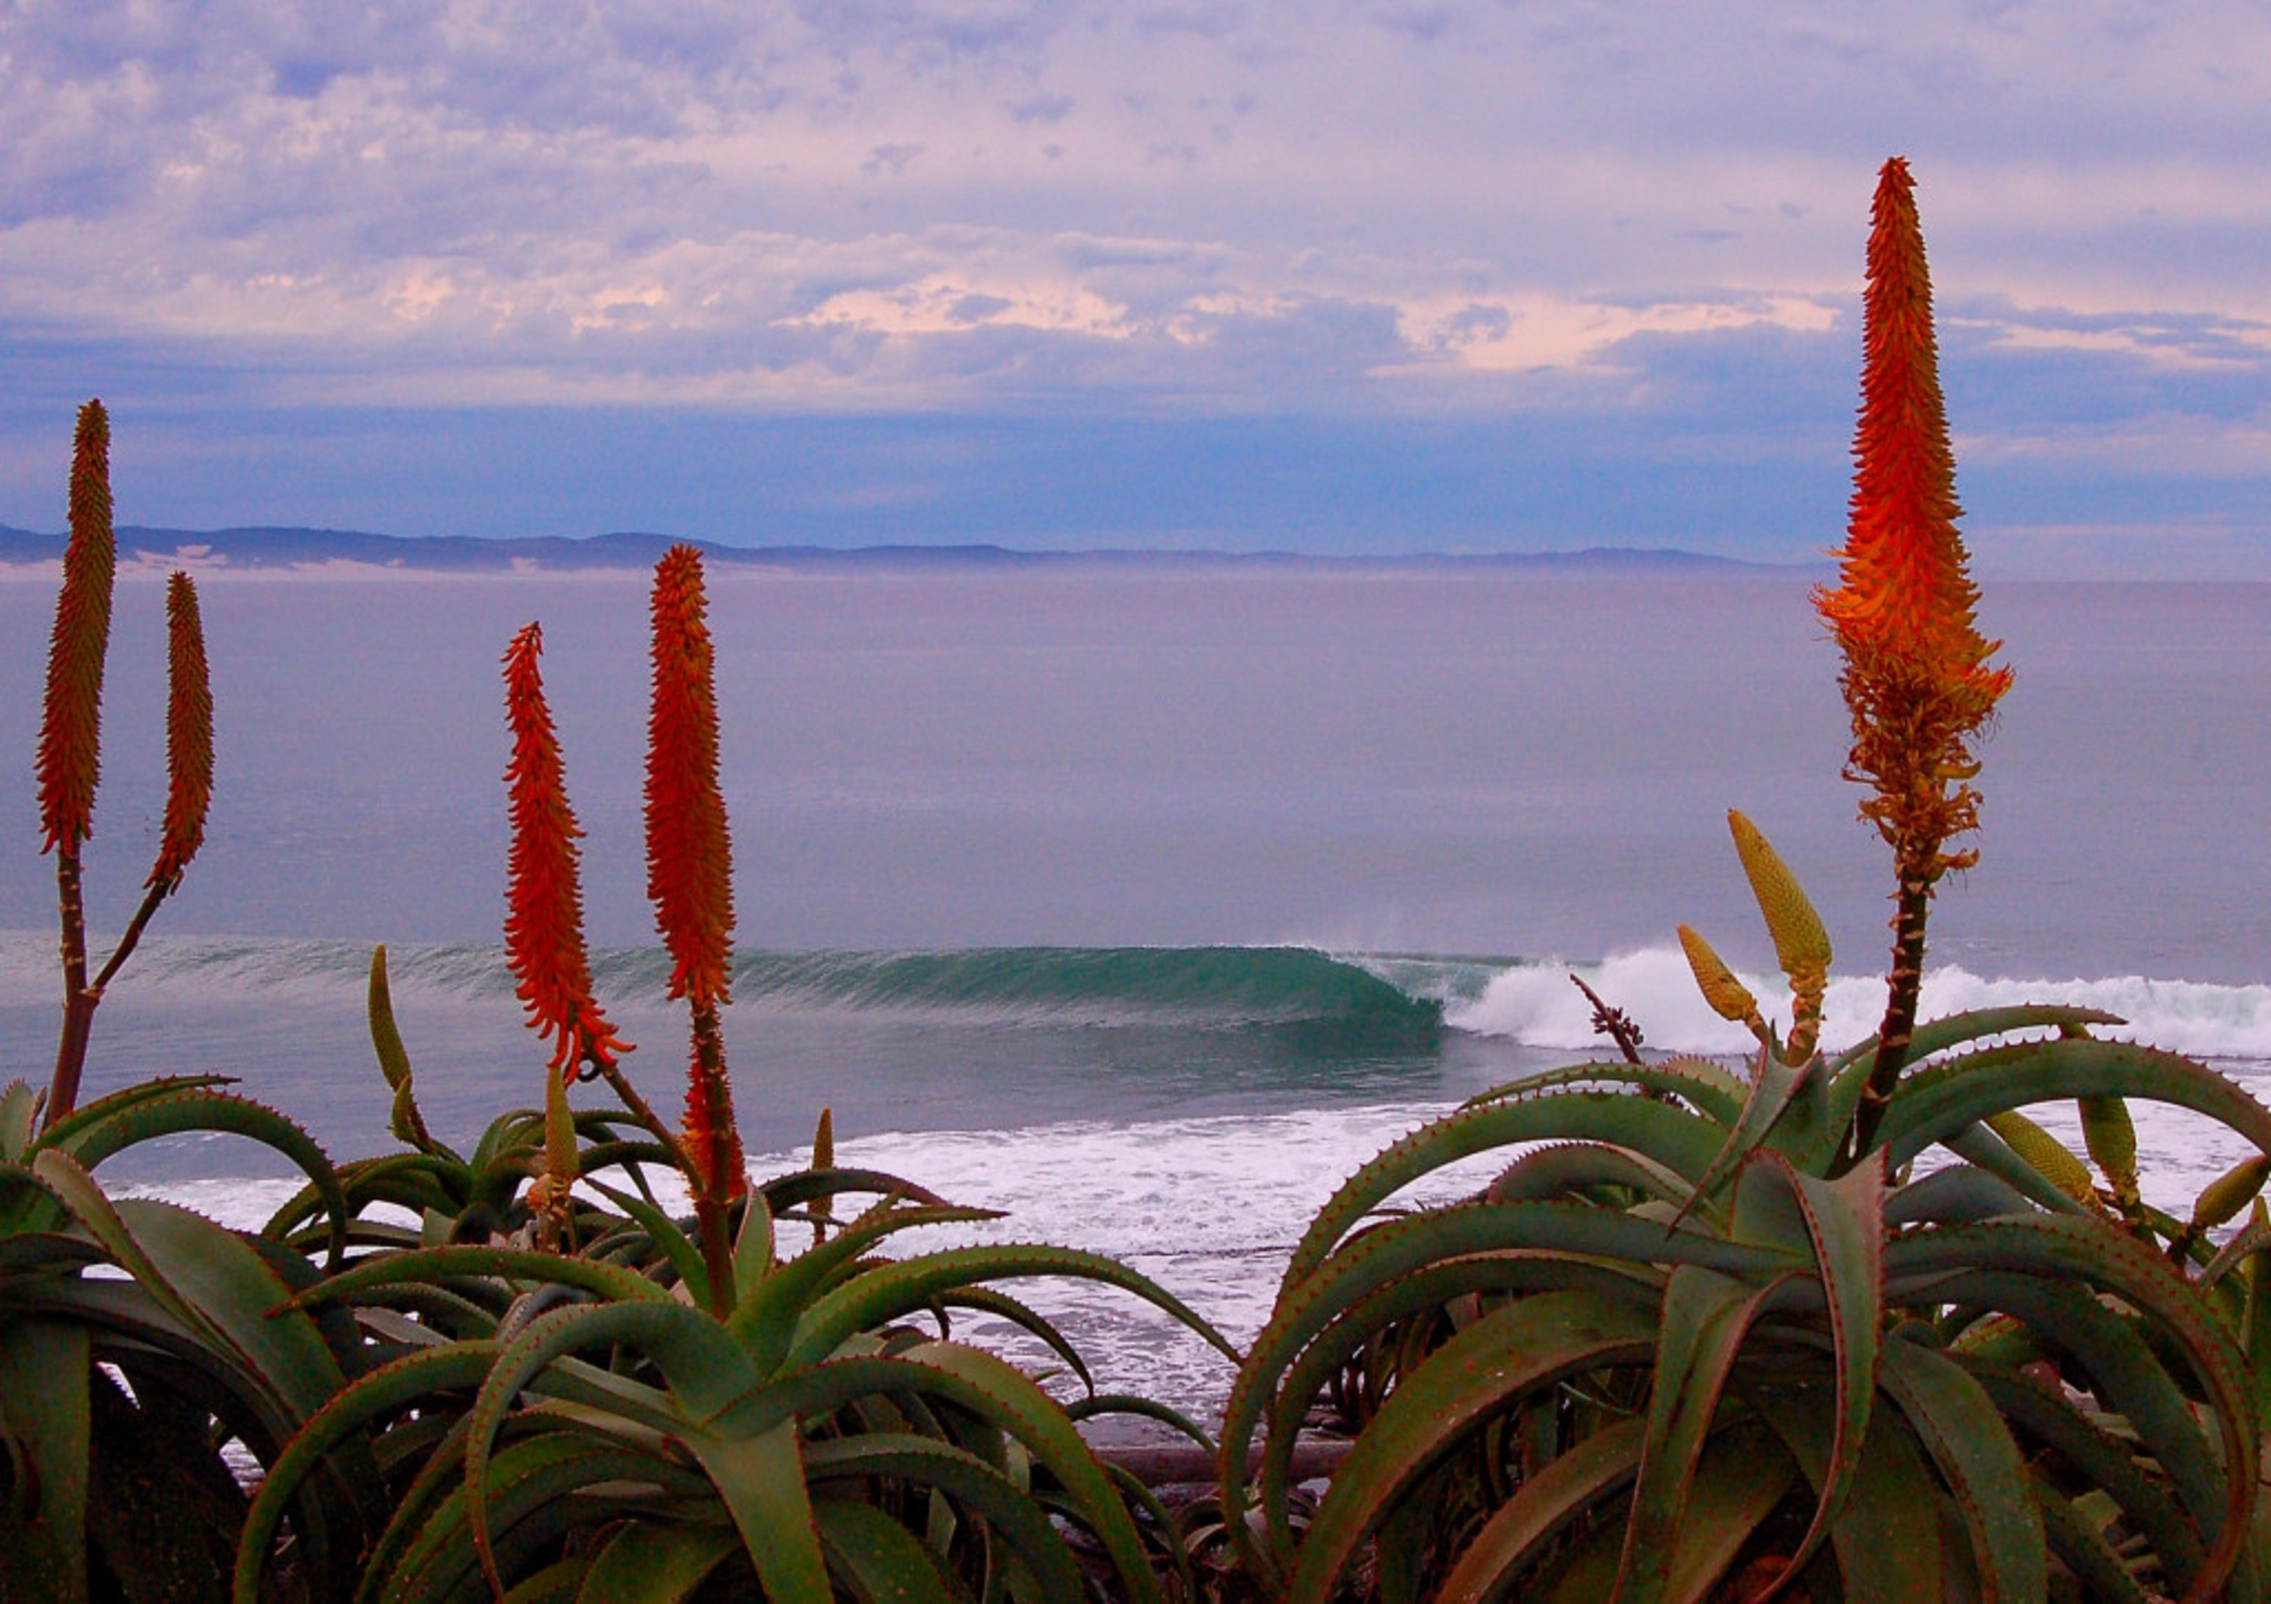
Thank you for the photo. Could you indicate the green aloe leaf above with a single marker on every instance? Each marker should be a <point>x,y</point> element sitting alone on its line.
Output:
<point>1506,1355</point>
<point>1706,1319</point>
<point>44,1428</point>
<point>1934,1103</point>
<point>891,1291</point>
<point>19,1119</point>
<point>1671,1137</point>
<point>676,1246</point>
<point>901,1567</point>
<point>1543,1505</point>
<point>1892,1509</point>
<point>761,1478</point>
<point>1774,1087</point>
<point>879,1560</point>
<point>653,1562</point>
<point>447,1263</point>
<point>767,1324</point>
<point>1964,1436</point>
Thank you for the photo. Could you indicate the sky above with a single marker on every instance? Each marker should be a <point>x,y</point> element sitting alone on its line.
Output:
<point>1343,276</point>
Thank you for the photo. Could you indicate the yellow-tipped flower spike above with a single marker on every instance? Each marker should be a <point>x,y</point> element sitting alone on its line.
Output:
<point>2046,1153</point>
<point>1801,945</point>
<point>2230,1192</point>
<point>2111,1137</point>
<point>1729,998</point>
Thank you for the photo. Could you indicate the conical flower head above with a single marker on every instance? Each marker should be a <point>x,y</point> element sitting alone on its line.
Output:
<point>689,856</point>
<point>70,737</point>
<point>1916,679</point>
<point>544,937</point>
<point>189,734</point>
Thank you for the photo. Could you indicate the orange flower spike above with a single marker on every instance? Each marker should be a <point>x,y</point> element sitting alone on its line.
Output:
<point>544,941</point>
<point>189,734</point>
<point>70,738</point>
<point>1916,680</point>
<point>689,856</point>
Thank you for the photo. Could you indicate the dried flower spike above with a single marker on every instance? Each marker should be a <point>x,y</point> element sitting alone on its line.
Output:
<point>189,735</point>
<point>544,940</point>
<point>689,857</point>
<point>70,739</point>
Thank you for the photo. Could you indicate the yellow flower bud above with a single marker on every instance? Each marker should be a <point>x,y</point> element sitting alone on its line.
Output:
<point>1801,946</point>
<point>2230,1192</point>
<point>1729,998</point>
<point>2046,1153</point>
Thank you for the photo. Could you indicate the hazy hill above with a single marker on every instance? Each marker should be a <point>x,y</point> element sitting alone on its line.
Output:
<point>273,548</point>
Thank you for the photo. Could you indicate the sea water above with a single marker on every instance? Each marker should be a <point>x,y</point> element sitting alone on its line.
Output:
<point>1140,907</point>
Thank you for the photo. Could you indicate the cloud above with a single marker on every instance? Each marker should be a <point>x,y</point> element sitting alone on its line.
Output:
<point>1354,207</point>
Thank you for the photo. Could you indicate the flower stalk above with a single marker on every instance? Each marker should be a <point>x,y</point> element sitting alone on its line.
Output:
<point>690,882</point>
<point>1917,682</point>
<point>70,744</point>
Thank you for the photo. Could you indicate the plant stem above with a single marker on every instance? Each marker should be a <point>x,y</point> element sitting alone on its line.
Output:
<point>78,999</point>
<point>1902,987</point>
<point>133,936</point>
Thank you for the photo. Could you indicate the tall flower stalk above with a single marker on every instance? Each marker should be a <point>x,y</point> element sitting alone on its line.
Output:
<point>70,744</point>
<point>1916,678</point>
<point>690,882</point>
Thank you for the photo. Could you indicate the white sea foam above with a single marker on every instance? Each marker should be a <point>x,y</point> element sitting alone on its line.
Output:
<point>1537,1006</point>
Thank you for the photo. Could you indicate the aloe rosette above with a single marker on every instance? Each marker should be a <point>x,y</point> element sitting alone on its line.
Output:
<point>1679,1345</point>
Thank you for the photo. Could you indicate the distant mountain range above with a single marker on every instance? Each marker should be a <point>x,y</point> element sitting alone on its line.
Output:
<point>271,549</point>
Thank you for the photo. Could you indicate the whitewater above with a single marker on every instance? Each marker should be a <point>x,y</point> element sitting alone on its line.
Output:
<point>1140,909</point>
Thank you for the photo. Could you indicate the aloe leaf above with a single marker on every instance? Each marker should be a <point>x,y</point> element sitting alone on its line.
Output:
<point>2128,1376</point>
<point>1399,1247</point>
<point>2103,1462</point>
<point>1846,1220</point>
<point>1983,1148</point>
<point>534,1478</point>
<point>1849,1070</point>
<point>767,1323</point>
<point>19,1118</point>
<point>1893,1507</point>
<point>1709,1089</point>
<point>1671,1137</point>
<point>111,1104</point>
<point>89,1142</point>
<point>753,1256</point>
<point>444,1263</point>
<point>1774,1084</point>
<point>44,1427</point>
<point>886,1293</point>
<point>2082,1548</point>
<point>1740,1481</point>
<point>1564,1488</point>
<point>649,1562</point>
<point>1548,1173</point>
<point>761,1479</point>
<point>1032,1417</point>
<point>685,1258</point>
<point>1936,1102</point>
<point>384,1391</point>
<point>798,1187</point>
<point>988,1300</point>
<point>1706,1319</point>
<point>1099,1404</point>
<point>1964,1436</point>
<point>1961,1194</point>
<point>1511,1352</point>
<point>888,1566</point>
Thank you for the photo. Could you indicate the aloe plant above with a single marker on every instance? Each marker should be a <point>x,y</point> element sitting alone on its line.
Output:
<point>1848,1325</point>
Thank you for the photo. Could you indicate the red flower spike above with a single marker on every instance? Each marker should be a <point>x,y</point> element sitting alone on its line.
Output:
<point>1916,678</point>
<point>544,940</point>
<point>689,857</point>
<point>189,735</point>
<point>70,737</point>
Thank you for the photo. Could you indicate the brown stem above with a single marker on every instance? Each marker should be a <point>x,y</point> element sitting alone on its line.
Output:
<point>710,1215</point>
<point>78,1001</point>
<point>714,1187</point>
<point>1903,983</point>
<point>642,1111</point>
<point>127,943</point>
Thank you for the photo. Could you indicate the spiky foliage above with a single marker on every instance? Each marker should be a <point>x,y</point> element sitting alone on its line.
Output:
<point>1680,1350</point>
<point>70,736</point>
<point>544,936</point>
<point>189,734</point>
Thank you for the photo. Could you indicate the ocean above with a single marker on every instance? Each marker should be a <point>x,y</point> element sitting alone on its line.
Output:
<point>1142,906</point>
